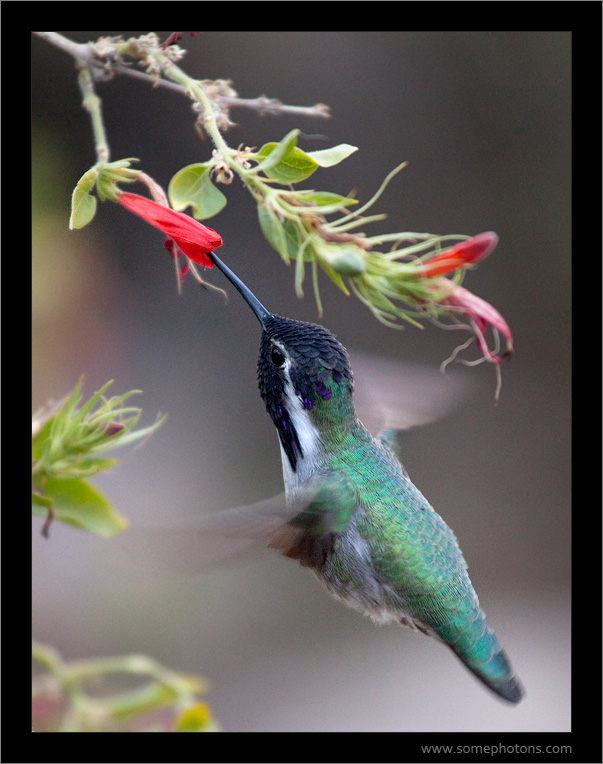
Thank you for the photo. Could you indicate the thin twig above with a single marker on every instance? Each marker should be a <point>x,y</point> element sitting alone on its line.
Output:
<point>85,57</point>
<point>273,106</point>
<point>262,104</point>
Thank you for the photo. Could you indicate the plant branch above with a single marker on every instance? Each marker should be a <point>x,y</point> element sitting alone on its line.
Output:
<point>261,104</point>
<point>85,56</point>
<point>93,105</point>
<point>81,52</point>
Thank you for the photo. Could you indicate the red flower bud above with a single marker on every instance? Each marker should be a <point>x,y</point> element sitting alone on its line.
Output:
<point>466,252</point>
<point>113,428</point>
<point>193,238</point>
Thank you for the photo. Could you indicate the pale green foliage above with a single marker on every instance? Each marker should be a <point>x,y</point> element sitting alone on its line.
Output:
<point>67,439</point>
<point>77,687</point>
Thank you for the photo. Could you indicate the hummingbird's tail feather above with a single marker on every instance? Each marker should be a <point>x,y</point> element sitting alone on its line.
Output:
<point>479,649</point>
<point>454,616</point>
<point>496,673</point>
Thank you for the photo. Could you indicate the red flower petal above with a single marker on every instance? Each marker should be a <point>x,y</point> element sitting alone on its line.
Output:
<point>466,252</point>
<point>481,313</point>
<point>193,238</point>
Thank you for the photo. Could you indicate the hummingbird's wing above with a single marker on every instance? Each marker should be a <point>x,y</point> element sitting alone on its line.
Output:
<point>302,526</point>
<point>393,395</point>
<point>309,536</point>
<point>188,546</point>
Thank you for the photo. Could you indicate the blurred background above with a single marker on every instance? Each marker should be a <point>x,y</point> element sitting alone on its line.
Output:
<point>483,120</point>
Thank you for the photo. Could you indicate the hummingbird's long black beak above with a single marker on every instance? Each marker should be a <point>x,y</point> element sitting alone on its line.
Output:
<point>251,300</point>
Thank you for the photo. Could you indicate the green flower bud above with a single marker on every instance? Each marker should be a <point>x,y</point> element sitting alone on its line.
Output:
<point>345,259</point>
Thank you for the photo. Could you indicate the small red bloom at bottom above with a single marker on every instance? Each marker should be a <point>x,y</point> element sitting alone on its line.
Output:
<point>193,238</point>
<point>480,313</point>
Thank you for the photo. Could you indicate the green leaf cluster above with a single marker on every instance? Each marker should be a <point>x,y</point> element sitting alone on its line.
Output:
<point>104,176</point>
<point>66,442</point>
<point>283,163</point>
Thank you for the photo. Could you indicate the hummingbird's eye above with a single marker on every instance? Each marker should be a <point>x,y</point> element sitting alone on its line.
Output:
<point>277,358</point>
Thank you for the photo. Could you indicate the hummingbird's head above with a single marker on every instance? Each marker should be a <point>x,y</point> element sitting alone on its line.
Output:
<point>304,376</point>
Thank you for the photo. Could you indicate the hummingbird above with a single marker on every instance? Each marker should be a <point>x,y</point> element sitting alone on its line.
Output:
<point>355,518</point>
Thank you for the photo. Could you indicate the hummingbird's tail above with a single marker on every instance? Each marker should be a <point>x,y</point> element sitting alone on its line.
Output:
<point>481,652</point>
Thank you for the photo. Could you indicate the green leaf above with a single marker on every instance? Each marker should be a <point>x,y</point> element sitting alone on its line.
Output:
<point>192,186</point>
<point>273,230</point>
<point>39,439</point>
<point>273,153</point>
<point>40,501</point>
<point>286,236</point>
<point>285,163</point>
<point>128,436</point>
<point>293,167</point>
<point>78,503</point>
<point>111,174</point>
<point>296,235</point>
<point>83,208</point>
<point>83,412</point>
<point>120,170</point>
<point>335,278</point>
<point>332,156</point>
<point>82,466</point>
<point>325,199</point>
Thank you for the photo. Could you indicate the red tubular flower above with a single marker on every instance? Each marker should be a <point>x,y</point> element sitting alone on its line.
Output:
<point>480,313</point>
<point>193,238</point>
<point>465,253</point>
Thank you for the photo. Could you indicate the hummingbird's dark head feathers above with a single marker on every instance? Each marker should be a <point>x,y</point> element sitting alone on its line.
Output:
<point>300,366</point>
<point>306,353</point>
<point>313,350</point>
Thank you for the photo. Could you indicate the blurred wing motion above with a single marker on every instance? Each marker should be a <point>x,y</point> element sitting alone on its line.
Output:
<point>395,395</point>
<point>195,545</point>
<point>322,513</point>
<point>303,527</point>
